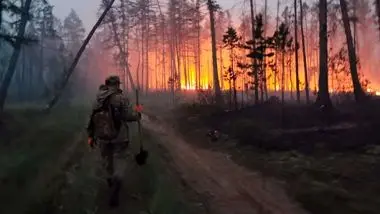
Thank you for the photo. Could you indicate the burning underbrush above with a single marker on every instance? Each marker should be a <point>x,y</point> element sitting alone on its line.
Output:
<point>329,162</point>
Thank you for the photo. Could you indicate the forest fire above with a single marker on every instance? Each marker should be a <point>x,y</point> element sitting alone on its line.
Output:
<point>373,92</point>
<point>243,97</point>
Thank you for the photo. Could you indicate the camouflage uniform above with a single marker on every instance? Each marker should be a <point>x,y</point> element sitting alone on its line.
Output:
<point>113,152</point>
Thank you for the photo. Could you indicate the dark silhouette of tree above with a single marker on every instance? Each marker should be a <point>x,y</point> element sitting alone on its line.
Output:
<point>377,7</point>
<point>254,64</point>
<point>212,7</point>
<point>302,6</point>
<point>232,41</point>
<point>73,31</point>
<point>259,54</point>
<point>283,45</point>
<point>358,90</point>
<point>323,98</point>
<point>16,43</point>
<point>70,71</point>
<point>296,52</point>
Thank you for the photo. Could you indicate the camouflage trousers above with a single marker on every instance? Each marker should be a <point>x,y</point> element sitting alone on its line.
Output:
<point>113,156</point>
<point>113,159</point>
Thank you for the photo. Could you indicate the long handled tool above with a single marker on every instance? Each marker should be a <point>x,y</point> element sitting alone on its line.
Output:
<point>142,156</point>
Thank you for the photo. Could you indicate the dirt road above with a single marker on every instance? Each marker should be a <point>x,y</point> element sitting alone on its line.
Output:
<point>228,187</point>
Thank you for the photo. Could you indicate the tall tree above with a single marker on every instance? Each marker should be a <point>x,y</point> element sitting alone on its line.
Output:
<point>323,97</point>
<point>15,55</point>
<point>377,6</point>
<point>264,85</point>
<point>275,71</point>
<point>198,44</point>
<point>212,7</point>
<point>283,43</point>
<point>304,54</point>
<point>221,24</point>
<point>358,90</point>
<point>254,64</point>
<point>231,41</point>
<point>73,31</point>
<point>296,52</point>
<point>70,71</point>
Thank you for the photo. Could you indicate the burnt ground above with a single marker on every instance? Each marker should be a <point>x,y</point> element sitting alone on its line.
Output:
<point>328,164</point>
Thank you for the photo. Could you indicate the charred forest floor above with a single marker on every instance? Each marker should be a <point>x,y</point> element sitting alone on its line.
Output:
<point>328,163</point>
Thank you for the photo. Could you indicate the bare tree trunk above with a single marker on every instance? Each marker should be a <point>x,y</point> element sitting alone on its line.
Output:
<point>323,93</point>
<point>156,67</point>
<point>377,5</point>
<point>276,53</point>
<point>230,93</point>
<point>264,81</point>
<point>235,94</point>
<point>139,60</point>
<point>147,82</point>
<point>179,63</point>
<point>291,86</point>
<point>358,91</point>
<point>14,58</point>
<point>141,84</point>
<point>218,94</point>
<point>1,14</point>
<point>355,21</point>
<point>221,67</point>
<point>185,73</point>
<point>304,55</point>
<point>254,67</point>
<point>164,79</point>
<point>173,71</point>
<point>198,52</point>
<point>296,53</point>
<point>147,76</point>
<point>283,78</point>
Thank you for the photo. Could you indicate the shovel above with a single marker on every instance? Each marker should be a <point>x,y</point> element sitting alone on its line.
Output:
<point>142,156</point>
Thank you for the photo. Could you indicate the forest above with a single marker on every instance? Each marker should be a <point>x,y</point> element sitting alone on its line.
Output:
<point>176,45</point>
<point>287,88</point>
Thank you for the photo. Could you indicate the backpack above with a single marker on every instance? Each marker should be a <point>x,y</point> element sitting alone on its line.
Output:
<point>104,123</point>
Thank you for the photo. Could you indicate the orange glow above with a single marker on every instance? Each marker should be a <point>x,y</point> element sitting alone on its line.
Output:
<point>160,70</point>
<point>373,92</point>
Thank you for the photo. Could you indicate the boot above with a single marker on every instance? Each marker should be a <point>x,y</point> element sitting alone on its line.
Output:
<point>114,199</point>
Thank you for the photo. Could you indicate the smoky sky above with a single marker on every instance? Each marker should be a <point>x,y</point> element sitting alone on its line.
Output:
<point>87,9</point>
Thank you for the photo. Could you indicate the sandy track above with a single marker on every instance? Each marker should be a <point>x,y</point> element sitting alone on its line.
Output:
<point>231,189</point>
